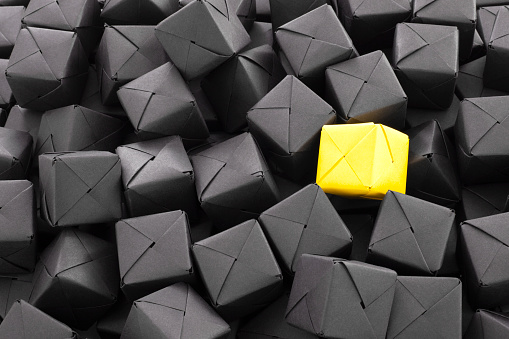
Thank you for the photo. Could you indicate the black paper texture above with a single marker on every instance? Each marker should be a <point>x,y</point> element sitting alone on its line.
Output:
<point>10,17</point>
<point>15,150</point>
<point>479,201</point>
<point>283,11</point>
<point>128,12</point>
<point>446,118</point>
<point>488,325</point>
<point>470,83</point>
<point>25,120</point>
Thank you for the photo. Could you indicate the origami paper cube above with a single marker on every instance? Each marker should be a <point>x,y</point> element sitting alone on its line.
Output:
<point>206,36</point>
<point>470,83</point>
<point>488,325</point>
<point>239,271</point>
<point>10,18</point>
<point>345,151</point>
<point>176,311</point>
<point>25,120</point>
<point>312,42</point>
<point>80,187</point>
<point>238,84</point>
<point>305,222</point>
<point>6,97</point>
<point>286,123</point>
<point>26,321</point>
<point>233,182</point>
<point>128,12</point>
<point>159,103</point>
<point>12,289</point>
<point>336,298</point>
<point>446,119</point>
<point>153,252</point>
<point>481,140</point>
<point>283,11</point>
<point>411,235</point>
<point>157,177</point>
<point>76,279</point>
<point>365,89</point>
<point>431,170</point>
<point>419,307</point>
<point>15,151</point>
<point>479,201</point>
<point>141,53</point>
<point>427,84</point>
<point>485,251</point>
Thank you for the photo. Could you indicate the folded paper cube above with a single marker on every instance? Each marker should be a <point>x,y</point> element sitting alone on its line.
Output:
<point>336,298</point>
<point>6,97</point>
<point>420,305</point>
<point>233,182</point>
<point>12,289</point>
<point>140,53</point>
<point>365,89</point>
<point>238,84</point>
<point>76,280</point>
<point>428,84</point>
<point>26,321</point>
<point>431,165</point>
<point>305,222</point>
<point>17,219</point>
<point>481,140</point>
<point>286,123</point>
<point>470,83</point>
<point>239,271</point>
<point>479,201</point>
<point>10,17</point>
<point>157,177</point>
<point>160,103</point>
<point>47,68</point>
<point>153,252</point>
<point>488,325</point>
<point>446,118</point>
<point>80,187</point>
<point>206,35</point>
<point>283,11</point>
<point>312,42</point>
<point>485,251</point>
<point>15,151</point>
<point>362,160</point>
<point>176,312</point>
<point>128,12</point>
<point>411,235</point>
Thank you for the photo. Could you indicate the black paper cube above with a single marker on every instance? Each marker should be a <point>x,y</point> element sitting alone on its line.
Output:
<point>176,312</point>
<point>470,83</point>
<point>411,235</point>
<point>26,321</point>
<point>12,289</point>
<point>485,252</point>
<point>312,42</point>
<point>425,60</point>
<point>26,120</point>
<point>283,11</point>
<point>128,12</point>
<point>15,151</point>
<point>233,182</point>
<point>6,97</point>
<point>426,307</point>
<point>160,103</point>
<point>488,325</point>
<point>80,187</point>
<point>446,119</point>
<point>336,298</point>
<point>431,173</point>
<point>201,36</point>
<point>305,222</point>
<point>365,89</point>
<point>479,201</point>
<point>157,177</point>
<point>124,54</point>
<point>239,271</point>
<point>10,18</point>
<point>287,123</point>
<point>76,280</point>
<point>238,84</point>
<point>153,252</point>
<point>481,140</point>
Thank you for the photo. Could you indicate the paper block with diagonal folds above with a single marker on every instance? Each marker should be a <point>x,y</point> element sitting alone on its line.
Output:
<point>10,25</point>
<point>157,177</point>
<point>312,42</point>
<point>488,325</point>
<point>47,68</point>
<point>25,120</point>
<point>201,36</point>
<point>286,123</point>
<point>15,151</point>
<point>245,10</point>
<point>160,103</point>
<point>482,140</point>
<point>426,307</point>
<point>137,12</point>
<point>80,187</point>
<point>283,11</point>
<point>335,298</point>
<point>13,288</point>
<point>154,251</point>
<point>26,321</point>
<point>470,83</point>
<point>485,252</point>
<point>425,60</point>
<point>76,280</point>
<point>233,182</point>
<point>366,89</point>
<point>124,54</point>
<point>239,271</point>
<point>176,312</point>
<point>17,220</point>
<point>305,222</point>
<point>479,201</point>
<point>6,97</point>
<point>362,160</point>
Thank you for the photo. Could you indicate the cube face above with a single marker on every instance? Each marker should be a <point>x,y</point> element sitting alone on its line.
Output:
<point>446,119</point>
<point>24,120</point>
<point>470,82</point>
<point>344,152</point>
<point>479,201</point>
<point>283,11</point>
<point>6,97</point>
<point>14,288</point>
<point>16,148</point>
<point>80,187</point>
<point>124,12</point>
<point>488,324</point>
<point>11,17</point>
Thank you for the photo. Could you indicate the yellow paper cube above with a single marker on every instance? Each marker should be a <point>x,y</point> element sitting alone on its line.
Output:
<point>362,160</point>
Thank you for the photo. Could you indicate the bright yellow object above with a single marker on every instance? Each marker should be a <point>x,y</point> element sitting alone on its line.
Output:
<point>362,160</point>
